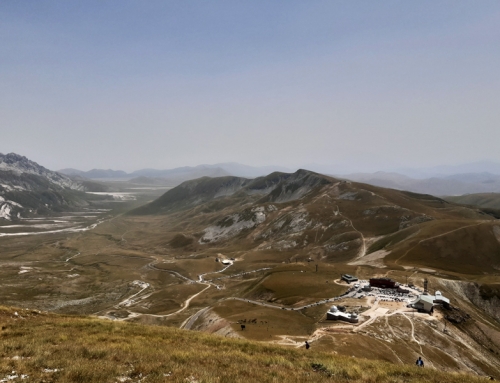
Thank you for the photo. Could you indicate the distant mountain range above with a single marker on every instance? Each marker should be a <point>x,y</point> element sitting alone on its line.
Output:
<point>26,185</point>
<point>447,185</point>
<point>476,177</point>
<point>173,177</point>
<point>95,173</point>
<point>448,170</point>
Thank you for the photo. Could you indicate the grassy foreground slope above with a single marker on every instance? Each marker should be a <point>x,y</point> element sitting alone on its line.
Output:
<point>54,348</point>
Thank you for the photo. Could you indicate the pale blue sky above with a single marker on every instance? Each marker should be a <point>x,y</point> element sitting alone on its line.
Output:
<point>358,85</point>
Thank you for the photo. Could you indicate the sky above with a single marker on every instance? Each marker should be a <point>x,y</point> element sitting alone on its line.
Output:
<point>350,85</point>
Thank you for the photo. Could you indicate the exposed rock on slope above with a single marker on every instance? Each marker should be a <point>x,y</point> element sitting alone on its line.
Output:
<point>26,187</point>
<point>296,186</point>
<point>232,225</point>
<point>16,170</point>
<point>486,297</point>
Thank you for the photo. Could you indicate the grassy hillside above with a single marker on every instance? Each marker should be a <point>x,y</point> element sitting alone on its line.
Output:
<point>452,246</point>
<point>52,348</point>
<point>192,193</point>
<point>326,219</point>
<point>489,200</point>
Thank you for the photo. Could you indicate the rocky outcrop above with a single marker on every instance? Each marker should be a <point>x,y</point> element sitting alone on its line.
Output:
<point>296,186</point>
<point>232,225</point>
<point>485,297</point>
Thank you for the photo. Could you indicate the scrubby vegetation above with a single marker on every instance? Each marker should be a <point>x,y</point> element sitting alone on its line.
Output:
<point>52,348</point>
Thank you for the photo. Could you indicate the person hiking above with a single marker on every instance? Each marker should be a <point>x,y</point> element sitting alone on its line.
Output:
<point>420,362</point>
<point>307,345</point>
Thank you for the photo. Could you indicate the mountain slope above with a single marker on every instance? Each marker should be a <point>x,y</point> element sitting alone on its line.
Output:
<point>335,220</point>
<point>276,186</point>
<point>28,188</point>
<point>192,193</point>
<point>19,165</point>
<point>483,200</point>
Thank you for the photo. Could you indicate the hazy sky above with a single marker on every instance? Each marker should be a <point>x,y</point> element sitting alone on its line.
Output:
<point>359,85</point>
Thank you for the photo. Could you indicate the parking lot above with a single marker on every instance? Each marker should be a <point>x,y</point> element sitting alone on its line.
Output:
<point>382,294</point>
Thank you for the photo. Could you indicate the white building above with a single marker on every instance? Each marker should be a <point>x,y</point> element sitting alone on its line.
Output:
<point>335,314</point>
<point>440,299</point>
<point>426,302</point>
<point>423,303</point>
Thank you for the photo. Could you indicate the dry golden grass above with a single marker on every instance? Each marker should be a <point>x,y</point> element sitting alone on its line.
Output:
<point>453,246</point>
<point>51,348</point>
<point>291,284</point>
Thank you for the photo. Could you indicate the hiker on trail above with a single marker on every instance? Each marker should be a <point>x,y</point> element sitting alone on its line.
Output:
<point>420,362</point>
<point>307,345</point>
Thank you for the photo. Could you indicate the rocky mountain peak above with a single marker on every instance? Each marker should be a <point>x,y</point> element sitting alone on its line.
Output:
<point>28,188</point>
<point>20,165</point>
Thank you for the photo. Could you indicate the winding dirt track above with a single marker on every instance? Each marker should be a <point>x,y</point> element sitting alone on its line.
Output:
<point>188,323</point>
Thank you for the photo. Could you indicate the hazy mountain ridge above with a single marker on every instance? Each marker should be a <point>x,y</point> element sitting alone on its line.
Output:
<point>176,176</point>
<point>183,173</point>
<point>94,173</point>
<point>481,177</point>
<point>442,171</point>
<point>455,184</point>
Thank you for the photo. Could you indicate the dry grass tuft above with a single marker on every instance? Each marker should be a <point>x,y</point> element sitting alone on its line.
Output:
<point>54,348</point>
